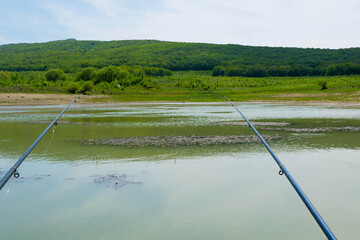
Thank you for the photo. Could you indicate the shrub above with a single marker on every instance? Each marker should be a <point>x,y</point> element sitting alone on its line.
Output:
<point>148,83</point>
<point>4,75</point>
<point>55,75</point>
<point>138,72</point>
<point>157,72</point>
<point>322,84</point>
<point>107,74</point>
<point>219,71</point>
<point>234,71</point>
<point>73,88</point>
<point>85,74</point>
<point>87,87</point>
<point>123,74</point>
<point>103,87</point>
<point>4,78</point>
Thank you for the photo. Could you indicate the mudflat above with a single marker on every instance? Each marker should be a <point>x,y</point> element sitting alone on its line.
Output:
<point>33,99</point>
<point>26,99</point>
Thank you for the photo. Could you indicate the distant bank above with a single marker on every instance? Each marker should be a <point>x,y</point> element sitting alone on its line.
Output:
<point>35,99</point>
<point>72,55</point>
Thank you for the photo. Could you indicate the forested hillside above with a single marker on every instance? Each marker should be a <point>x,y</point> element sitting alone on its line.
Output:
<point>230,60</point>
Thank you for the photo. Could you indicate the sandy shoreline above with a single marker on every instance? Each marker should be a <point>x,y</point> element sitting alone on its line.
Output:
<point>37,99</point>
<point>34,99</point>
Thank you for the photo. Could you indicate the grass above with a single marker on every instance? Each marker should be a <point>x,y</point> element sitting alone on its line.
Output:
<point>206,88</point>
<point>202,87</point>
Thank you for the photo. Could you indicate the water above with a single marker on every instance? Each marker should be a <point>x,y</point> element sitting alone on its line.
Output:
<point>183,192</point>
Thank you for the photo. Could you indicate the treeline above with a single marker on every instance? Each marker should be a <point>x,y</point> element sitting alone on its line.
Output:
<point>87,80</point>
<point>282,71</point>
<point>72,55</point>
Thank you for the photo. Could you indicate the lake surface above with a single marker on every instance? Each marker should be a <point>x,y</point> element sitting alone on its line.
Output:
<point>69,190</point>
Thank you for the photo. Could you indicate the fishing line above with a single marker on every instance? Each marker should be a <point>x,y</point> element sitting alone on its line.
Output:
<point>13,170</point>
<point>5,197</point>
<point>52,137</point>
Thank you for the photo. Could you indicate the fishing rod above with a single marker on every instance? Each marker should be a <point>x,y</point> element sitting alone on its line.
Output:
<point>297,188</point>
<point>13,170</point>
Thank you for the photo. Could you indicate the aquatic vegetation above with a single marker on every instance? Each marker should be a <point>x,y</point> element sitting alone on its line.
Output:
<point>243,123</point>
<point>113,180</point>
<point>166,141</point>
<point>316,129</point>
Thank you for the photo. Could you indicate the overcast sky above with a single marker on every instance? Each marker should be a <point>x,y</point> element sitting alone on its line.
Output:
<point>286,23</point>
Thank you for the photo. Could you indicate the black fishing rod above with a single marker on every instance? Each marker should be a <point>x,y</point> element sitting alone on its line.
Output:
<point>297,188</point>
<point>13,170</point>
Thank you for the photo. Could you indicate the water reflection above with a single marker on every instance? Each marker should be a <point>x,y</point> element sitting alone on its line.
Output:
<point>229,191</point>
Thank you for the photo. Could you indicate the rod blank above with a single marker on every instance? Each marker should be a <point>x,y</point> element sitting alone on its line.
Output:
<point>297,188</point>
<point>13,170</point>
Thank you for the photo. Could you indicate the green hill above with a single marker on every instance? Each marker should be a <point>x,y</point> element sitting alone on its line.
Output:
<point>71,55</point>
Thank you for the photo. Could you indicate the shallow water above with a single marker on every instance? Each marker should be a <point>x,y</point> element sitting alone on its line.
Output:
<point>68,190</point>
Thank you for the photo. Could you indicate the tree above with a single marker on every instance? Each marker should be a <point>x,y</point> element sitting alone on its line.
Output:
<point>352,68</point>
<point>331,70</point>
<point>106,74</point>
<point>273,71</point>
<point>4,75</point>
<point>86,74</point>
<point>219,71</point>
<point>256,71</point>
<point>55,75</point>
<point>234,71</point>
<point>283,71</point>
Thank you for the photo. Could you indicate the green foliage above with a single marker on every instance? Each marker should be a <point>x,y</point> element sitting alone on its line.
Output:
<point>256,71</point>
<point>86,74</point>
<point>106,74</point>
<point>102,87</point>
<point>55,75</point>
<point>269,84</point>
<point>87,87</point>
<point>343,69</point>
<point>196,83</point>
<point>73,87</point>
<point>4,78</point>
<point>193,86</point>
<point>4,75</point>
<point>148,83</point>
<point>88,80</point>
<point>71,56</point>
<point>123,74</point>
<point>322,84</point>
<point>219,71</point>
<point>331,70</point>
<point>138,72</point>
<point>286,70</point>
<point>157,72</point>
<point>233,71</point>
<point>127,75</point>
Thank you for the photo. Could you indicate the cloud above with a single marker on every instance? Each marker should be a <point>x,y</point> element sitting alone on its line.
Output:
<point>103,20</point>
<point>316,23</point>
<point>204,21</point>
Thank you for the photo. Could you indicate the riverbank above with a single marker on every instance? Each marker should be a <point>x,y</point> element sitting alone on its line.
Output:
<point>188,87</point>
<point>34,99</point>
